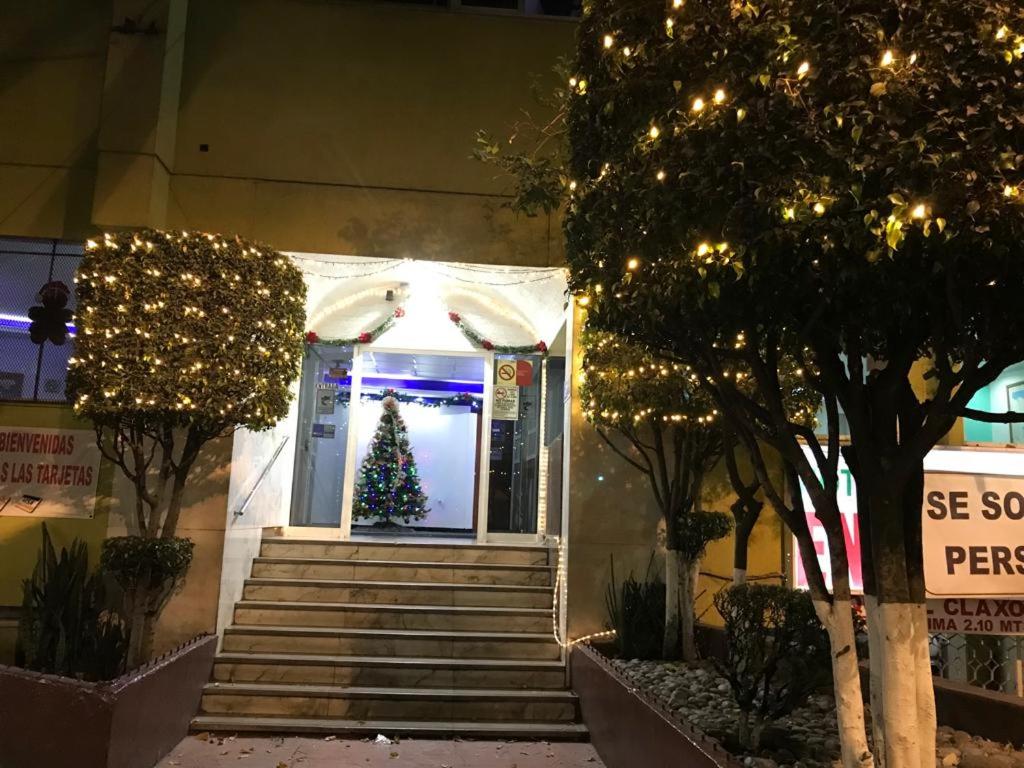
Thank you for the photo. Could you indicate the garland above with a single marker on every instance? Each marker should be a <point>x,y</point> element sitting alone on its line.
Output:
<point>476,339</point>
<point>363,338</point>
<point>506,349</point>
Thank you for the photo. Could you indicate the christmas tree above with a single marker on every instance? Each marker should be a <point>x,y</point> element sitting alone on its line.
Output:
<point>388,486</point>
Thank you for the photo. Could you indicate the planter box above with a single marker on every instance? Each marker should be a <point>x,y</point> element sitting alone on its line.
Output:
<point>629,728</point>
<point>130,722</point>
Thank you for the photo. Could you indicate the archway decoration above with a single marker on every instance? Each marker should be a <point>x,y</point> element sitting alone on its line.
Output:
<point>366,337</point>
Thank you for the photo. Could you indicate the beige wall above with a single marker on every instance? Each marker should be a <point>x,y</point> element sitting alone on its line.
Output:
<point>337,127</point>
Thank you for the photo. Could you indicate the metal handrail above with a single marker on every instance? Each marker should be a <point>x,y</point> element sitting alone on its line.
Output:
<point>259,481</point>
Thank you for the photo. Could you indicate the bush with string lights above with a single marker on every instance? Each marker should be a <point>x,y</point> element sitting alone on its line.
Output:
<point>182,338</point>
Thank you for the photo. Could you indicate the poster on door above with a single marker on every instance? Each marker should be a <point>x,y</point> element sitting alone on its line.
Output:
<point>48,472</point>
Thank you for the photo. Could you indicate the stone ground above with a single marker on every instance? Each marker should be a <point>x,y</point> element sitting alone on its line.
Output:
<point>205,751</point>
<point>700,696</point>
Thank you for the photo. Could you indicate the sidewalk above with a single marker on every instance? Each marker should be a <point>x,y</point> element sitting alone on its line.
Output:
<point>205,751</point>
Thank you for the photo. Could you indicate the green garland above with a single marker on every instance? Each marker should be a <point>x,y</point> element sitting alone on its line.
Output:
<point>365,337</point>
<point>505,349</point>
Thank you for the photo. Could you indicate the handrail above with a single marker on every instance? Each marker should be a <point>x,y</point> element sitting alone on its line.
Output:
<point>259,481</point>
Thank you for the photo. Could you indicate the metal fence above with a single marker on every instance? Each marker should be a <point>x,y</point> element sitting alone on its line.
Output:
<point>31,371</point>
<point>994,662</point>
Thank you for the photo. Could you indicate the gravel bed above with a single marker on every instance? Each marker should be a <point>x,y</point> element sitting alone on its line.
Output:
<point>807,738</point>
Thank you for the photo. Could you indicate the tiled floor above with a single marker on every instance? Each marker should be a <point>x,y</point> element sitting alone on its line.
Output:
<point>215,752</point>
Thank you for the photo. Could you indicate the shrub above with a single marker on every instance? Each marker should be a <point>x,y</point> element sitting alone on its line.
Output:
<point>148,571</point>
<point>636,612</point>
<point>66,625</point>
<point>777,653</point>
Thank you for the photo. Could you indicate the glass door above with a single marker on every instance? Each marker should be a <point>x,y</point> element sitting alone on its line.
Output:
<point>321,443</point>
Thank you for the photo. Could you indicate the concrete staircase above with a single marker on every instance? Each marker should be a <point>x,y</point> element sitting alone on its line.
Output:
<point>408,638</point>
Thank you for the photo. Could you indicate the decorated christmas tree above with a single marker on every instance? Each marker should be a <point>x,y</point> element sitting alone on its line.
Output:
<point>388,486</point>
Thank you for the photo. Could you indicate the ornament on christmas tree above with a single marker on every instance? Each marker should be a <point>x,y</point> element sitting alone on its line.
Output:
<point>388,486</point>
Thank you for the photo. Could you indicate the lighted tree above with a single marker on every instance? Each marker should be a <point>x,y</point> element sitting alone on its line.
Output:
<point>182,339</point>
<point>388,486</point>
<point>835,181</point>
<point>653,414</point>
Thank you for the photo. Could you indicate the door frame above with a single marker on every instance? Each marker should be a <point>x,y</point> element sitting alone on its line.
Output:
<point>484,446</point>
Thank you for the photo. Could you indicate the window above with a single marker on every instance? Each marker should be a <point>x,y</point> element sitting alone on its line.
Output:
<point>30,371</point>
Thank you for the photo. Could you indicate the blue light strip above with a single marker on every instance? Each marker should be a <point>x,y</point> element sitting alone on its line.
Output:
<point>420,385</point>
<point>14,323</point>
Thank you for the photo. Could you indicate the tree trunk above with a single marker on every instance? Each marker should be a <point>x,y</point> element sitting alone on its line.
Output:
<point>688,574</point>
<point>907,699</point>
<point>674,566</point>
<point>741,546</point>
<point>837,619</point>
<point>137,632</point>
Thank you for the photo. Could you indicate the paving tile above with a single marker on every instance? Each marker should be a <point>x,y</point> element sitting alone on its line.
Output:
<point>216,752</point>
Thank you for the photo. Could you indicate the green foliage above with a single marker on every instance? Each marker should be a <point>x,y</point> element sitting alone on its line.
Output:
<point>66,626</point>
<point>636,611</point>
<point>180,328</point>
<point>777,653</point>
<point>823,181</point>
<point>388,485</point>
<point>700,528</point>
<point>135,561</point>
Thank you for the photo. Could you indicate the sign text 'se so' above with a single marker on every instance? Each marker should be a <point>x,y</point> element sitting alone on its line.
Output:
<point>973,531</point>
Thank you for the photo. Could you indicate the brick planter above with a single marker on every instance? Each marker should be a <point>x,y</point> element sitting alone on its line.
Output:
<point>130,722</point>
<point>629,728</point>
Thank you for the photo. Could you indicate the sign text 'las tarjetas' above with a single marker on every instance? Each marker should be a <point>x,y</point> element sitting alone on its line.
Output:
<point>48,472</point>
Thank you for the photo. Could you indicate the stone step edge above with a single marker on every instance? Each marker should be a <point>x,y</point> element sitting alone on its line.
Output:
<point>481,729</point>
<point>261,559</point>
<point>307,691</point>
<point>315,605</point>
<point>425,634</point>
<point>430,586</point>
<point>470,544</point>
<point>397,662</point>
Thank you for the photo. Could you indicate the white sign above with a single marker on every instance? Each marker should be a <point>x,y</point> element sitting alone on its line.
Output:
<point>987,616</point>
<point>48,472</point>
<point>973,535</point>
<point>973,525</point>
<point>506,402</point>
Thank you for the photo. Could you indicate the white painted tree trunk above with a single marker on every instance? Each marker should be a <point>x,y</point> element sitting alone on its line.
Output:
<point>739,576</point>
<point>838,622</point>
<point>875,678</point>
<point>672,600</point>
<point>907,701</point>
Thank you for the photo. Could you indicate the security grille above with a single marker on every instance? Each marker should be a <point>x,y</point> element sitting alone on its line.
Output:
<point>30,371</point>
<point>994,662</point>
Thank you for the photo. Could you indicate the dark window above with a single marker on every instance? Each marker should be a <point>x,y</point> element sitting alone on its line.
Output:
<point>30,371</point>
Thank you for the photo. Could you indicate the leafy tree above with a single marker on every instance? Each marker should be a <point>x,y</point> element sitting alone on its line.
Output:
<point>182,338</point>
<point>839,183</point>
<point>666,429</point>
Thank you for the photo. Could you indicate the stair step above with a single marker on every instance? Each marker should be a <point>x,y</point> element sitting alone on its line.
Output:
<point>346,641</point>
<point>397,592</point>
<point>359,703</point>
<point>324,726</point>
<point>353,615</point>
<point>375,671</point>
<point>386,570</point>
<point>419,551</point>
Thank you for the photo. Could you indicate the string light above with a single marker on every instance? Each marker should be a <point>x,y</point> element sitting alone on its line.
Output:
<point>632,264</point>
<point>609,41</point>
<point>719,96</point>
<point>919,212</point>
<point>654,132</point>
<point>803,69</point>
<point>698,104</point>
<point>887,59</point>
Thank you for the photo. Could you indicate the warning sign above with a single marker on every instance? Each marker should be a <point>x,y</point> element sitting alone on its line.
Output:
<point>984,616</point>
<point>505,372</point>
<point>506,403</point>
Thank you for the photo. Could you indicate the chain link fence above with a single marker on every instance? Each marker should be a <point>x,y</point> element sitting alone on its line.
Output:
<point>994,662</point>
<point>31,371</point>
